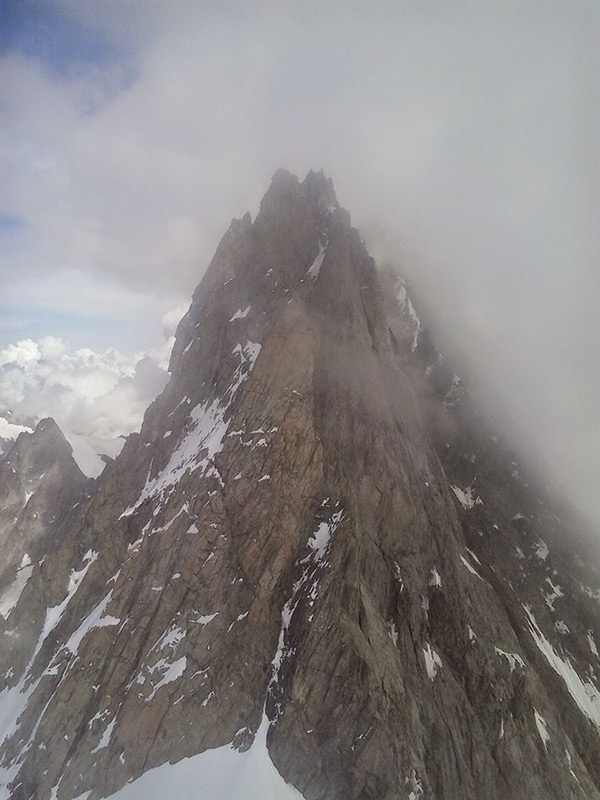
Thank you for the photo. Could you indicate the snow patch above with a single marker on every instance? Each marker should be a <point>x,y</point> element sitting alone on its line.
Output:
<point>204,619</point>
<point>206,430</point>
<point>407,306</point>
<point>247,353</point>
<point>216,774</point>
<point>585,694</point>
<point>465,497</point>
<point>306,586</point>
<point>432,661</point>
<point>54,614</point>
<point>13,703</point>
<point>398,574</point>
<point>95,619</point>
<point>170,638</point>
<point>320,539</point>
<point>184,400</point>
<point>315,267</point>
<point>570,763</point>
<point>555,594</point>
<point>435,579</point>
<point>471,569</point>
<point>163,671</point>
<point>542,727</point>
<point>415,786</point>
<point>241,314</point>
<point>593,593</point>
<point>239,618</point>
<point>168,673</point>
<point>105,738</point>
<point>454,393</point>
<point>10,596</point>
<point>512,658</point>
<point>541,550</point>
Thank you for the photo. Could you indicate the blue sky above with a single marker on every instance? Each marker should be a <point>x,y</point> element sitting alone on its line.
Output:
<point>48,33</point>
<point>63,47</point>
<point>462,138</point>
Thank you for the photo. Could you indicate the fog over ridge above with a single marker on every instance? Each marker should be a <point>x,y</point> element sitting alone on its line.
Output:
<point>463,141</point>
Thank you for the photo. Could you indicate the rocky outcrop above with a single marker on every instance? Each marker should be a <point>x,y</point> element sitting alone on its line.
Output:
<point>293,539</point>
<point>41,493</point>
<point>40,484</point>
<point>536,552</point>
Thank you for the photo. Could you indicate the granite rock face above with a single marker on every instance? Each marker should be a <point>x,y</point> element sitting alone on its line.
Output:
<point>39,480</point>
<point>41,492</point>
<point>315,525</point>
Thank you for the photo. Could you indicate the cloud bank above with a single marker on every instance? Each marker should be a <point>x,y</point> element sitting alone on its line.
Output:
<point>100,394</point>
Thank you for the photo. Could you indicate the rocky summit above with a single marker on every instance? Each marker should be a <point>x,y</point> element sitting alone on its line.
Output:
<point>316,572</point>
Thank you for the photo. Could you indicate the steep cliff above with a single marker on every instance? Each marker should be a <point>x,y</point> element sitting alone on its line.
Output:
<point>315,545</point>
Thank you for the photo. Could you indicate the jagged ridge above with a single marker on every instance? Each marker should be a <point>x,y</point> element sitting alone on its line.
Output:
<point>281,543</point>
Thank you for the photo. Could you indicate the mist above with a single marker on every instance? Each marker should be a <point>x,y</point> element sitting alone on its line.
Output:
<point>461,138</point>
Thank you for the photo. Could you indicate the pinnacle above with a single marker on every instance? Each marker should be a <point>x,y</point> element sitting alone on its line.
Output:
<point>320,189</point>
<point>294,537</point>
<point>316,188</point>
<point>46,433</point>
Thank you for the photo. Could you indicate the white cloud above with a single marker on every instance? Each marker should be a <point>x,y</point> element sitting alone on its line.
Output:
<point>172,318</point>
<point>20,354</point>
<point>9,432</point>
<point>102,394</point>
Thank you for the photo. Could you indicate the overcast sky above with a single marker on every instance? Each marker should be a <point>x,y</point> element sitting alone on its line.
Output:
<point>463,138</point>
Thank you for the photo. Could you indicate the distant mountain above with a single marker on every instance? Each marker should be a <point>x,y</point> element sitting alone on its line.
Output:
<point>9,430</point>
<point>91,453</point>
<point>40,489</point>
<point>316,571</point>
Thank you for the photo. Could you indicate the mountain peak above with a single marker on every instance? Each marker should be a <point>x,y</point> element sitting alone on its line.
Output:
<point>49,429</point>
<point>40,485</point>
<point>264,263</point>
<point>314,553</point>
<point>43,447</point>
<point>286,192</point>
<point>320,190</point>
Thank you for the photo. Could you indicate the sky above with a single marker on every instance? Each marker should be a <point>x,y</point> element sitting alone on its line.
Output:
<point>462,137</point>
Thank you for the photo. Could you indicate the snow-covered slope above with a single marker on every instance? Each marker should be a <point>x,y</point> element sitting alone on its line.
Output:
<point>220,774</point>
